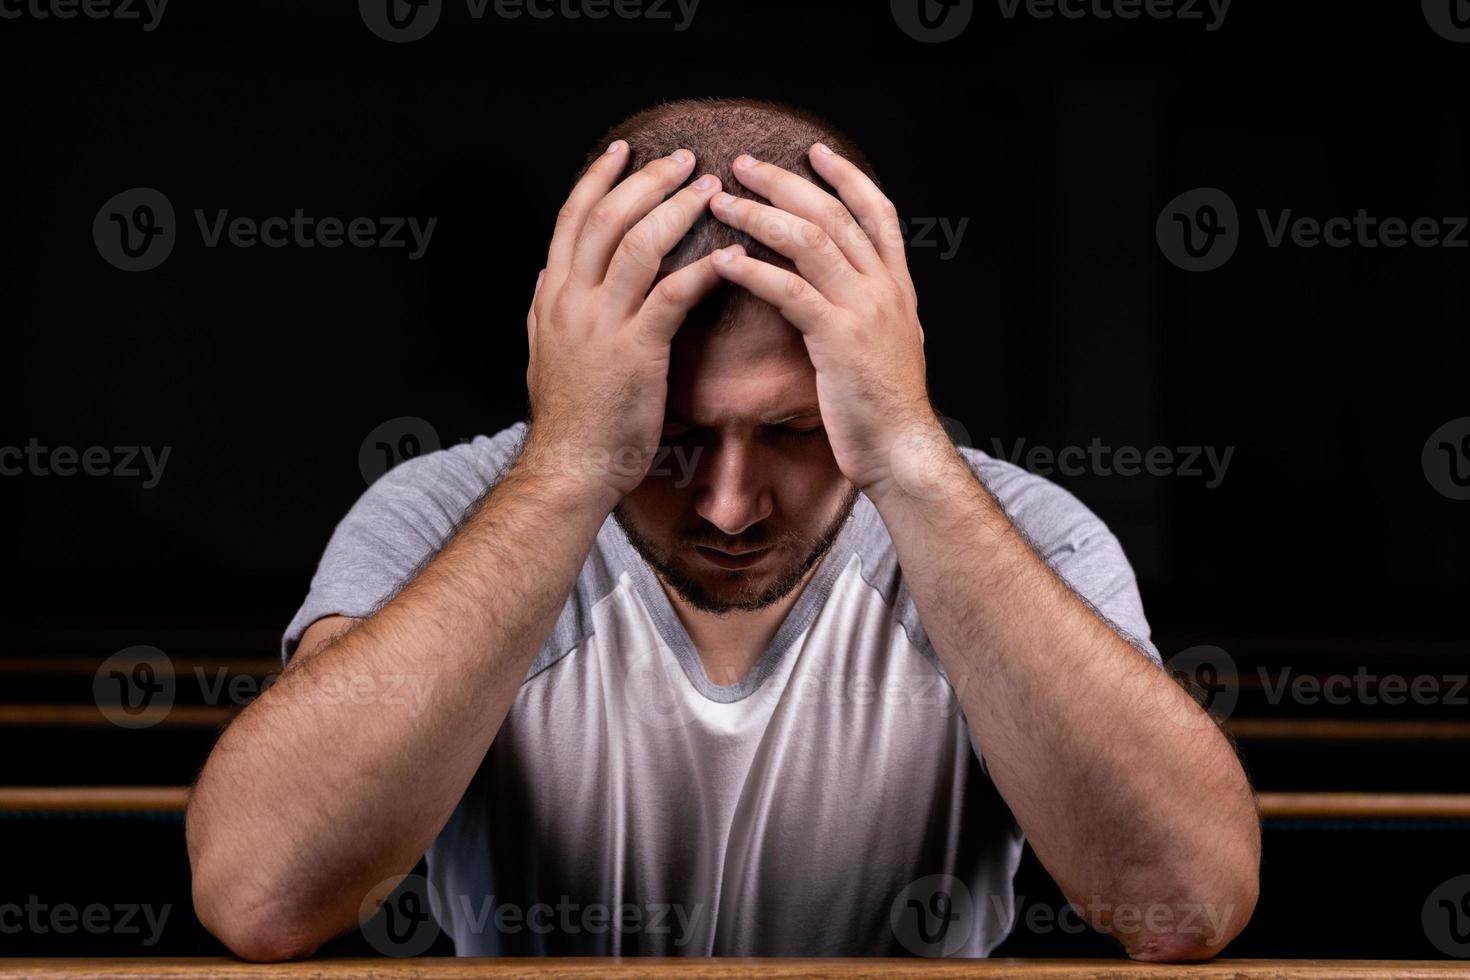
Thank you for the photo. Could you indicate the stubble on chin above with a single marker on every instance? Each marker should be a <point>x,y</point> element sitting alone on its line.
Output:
<point>744,593</point>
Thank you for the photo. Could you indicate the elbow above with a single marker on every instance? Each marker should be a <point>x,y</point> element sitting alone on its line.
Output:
<point>256,931</point>
<point>1197,928</point>
<point>255,923</point>
<point>1202,903</point>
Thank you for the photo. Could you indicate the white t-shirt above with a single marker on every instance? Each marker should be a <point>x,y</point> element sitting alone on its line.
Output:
<point>832,803</point>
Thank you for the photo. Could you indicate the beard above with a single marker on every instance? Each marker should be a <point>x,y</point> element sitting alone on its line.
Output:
<point>721,590</point>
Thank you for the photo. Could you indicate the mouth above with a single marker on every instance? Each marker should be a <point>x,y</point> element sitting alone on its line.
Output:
<point>725,559</point>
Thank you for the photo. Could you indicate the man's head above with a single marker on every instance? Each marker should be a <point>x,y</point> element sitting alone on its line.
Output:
<point>748,465</point>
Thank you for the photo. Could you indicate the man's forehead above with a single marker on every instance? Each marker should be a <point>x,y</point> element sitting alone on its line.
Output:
<point>755,371</point>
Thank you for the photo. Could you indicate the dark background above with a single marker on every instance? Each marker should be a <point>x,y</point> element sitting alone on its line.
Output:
<point>1326,548</point>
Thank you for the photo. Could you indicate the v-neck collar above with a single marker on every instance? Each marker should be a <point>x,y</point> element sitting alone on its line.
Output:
<point>798,618</point>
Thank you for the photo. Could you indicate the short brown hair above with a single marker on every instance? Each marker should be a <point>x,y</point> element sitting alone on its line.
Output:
<point>716,131</point>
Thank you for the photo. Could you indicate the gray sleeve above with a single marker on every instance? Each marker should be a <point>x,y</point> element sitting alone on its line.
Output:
<point>398,524</point>
<point>1074,542</point>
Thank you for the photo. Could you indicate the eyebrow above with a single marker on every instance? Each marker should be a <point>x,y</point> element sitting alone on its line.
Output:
<point>801,411</point>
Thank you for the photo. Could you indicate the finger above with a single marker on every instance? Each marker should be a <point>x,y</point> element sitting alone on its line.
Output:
<point>873,210</point>
<point>794,193</point>
<point>639,257</point>
<point>817,257</point>
<point>622,207</point>
<point>593,187</point>
<point>798,300</point>
<point>669,302</point>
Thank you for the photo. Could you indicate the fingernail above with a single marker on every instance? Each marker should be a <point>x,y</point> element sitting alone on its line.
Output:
<point>723,198</point>
<point>681,156</point>
<point>824,149</point>
<point>744,160</point>
<point>615,146</point>
<point>705,183</point>
<point>539,276</point>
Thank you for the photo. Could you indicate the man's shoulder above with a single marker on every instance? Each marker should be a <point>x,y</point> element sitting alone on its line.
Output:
<point>1040,506</point>
<point>465,468</point>
<point>1074,540</point>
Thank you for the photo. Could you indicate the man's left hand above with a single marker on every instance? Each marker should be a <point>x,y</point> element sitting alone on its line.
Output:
<point>854,303</point>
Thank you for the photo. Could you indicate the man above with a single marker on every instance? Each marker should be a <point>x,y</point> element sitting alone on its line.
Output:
<point>731,635</point>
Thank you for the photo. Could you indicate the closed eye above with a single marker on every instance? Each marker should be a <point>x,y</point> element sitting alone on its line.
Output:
<point>674,434</point>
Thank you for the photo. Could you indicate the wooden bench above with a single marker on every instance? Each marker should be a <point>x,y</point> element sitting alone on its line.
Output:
<point>1285,806</point>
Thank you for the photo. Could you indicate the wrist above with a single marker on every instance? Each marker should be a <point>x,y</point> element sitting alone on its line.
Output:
<point>923,465</point>
<point>572,471</point>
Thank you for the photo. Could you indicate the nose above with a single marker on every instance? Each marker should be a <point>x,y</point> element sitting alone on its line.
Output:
<point>732,492</point>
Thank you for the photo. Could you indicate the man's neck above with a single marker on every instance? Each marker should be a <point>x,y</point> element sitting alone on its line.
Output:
<point>729,644</point>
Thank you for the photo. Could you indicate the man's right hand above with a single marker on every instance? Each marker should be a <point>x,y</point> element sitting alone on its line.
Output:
<point>599,329</point>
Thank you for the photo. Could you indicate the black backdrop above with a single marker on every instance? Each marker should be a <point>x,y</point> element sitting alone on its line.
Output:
<point>1058,320</point>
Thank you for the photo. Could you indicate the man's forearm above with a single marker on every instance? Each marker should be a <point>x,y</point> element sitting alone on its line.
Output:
<point>326,785</point>
<point>1129,794</point>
